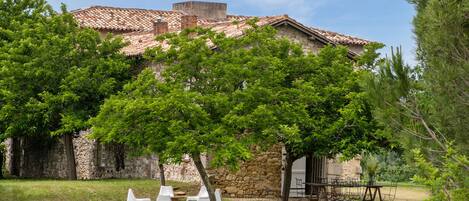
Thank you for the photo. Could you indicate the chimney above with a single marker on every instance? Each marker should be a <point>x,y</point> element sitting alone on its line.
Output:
<point>202,9</point>
<point>188,21</point>
<point>160,27</point>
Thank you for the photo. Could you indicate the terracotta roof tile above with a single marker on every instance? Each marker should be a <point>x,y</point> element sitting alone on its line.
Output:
<point>341,38</point>
<point>139,41</point>
<point>141,21</point>
<point>128,19</point>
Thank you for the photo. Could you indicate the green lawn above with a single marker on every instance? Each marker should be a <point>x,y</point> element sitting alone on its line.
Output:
<point>407,191</point>
<point>116,189</point>
<point>411,193</point>
<point>94,190</point>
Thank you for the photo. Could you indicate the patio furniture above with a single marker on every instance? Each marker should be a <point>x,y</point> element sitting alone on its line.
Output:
<point>299,187</point>
<point>319,189</point>
<point>218,194</point>
<point>368,192</point>
<point>203,195</point>
<point>390,191</point>
<point>342,190</point>
<point>166,193</point>
<point>131,197</point>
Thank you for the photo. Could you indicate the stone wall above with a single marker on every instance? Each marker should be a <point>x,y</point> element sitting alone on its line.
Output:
<point>351,169</point>
<point>309,45</point>
<point>185,171</point>
<point>7,154</point>
<point>343,169</point>
<point>258,177</point>
<point>93,160</point>
<point>356,48</point>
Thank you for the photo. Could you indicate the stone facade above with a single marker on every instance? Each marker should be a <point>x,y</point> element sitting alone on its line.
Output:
<point>93,160</point>
<point>258,177</point>
<point>344,169</point>
<point>185,171</point>
<point>295,35</point>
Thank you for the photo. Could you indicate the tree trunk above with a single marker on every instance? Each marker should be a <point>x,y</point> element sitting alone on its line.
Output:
<point>15,161</point>
<point>162,179</point>
<point>287,177</point>
<point>204,176</point>
<point>70,155</point>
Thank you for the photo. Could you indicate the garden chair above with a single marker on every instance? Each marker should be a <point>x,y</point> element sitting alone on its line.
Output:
<point>299,188</point>
<point>203,195</point>
<point>166,193</point>
<point>131,197</point>
<point>390,195</point>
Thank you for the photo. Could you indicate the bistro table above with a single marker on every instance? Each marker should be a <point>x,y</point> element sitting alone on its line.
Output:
<point>321,189</point>
<point>368,190</point>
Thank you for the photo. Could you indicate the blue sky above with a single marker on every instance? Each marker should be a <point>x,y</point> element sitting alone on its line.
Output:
<point>386,21</point>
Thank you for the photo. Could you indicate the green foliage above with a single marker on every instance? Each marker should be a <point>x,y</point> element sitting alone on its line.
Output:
<point>220,96</point>
<point>372,166</point>
<point>310,103</point>
<point>441,29</point>
<point>369,58</point>
<point>425,107</point>
<point>393,167</point>
<point>54,75</point>
<point>448,180</point>
<point>403,111</point>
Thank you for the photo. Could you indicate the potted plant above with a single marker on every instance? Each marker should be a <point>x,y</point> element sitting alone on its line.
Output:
<point>372,165</point>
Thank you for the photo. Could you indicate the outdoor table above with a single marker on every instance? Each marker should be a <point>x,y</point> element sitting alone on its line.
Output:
<point>368,190</point>
<point>320,187</point>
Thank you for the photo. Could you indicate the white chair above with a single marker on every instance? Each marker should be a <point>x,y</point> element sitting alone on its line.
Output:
<point>203,195</point>
<point>166,193</point>
<point>131,197</point>
<point>218,194</point>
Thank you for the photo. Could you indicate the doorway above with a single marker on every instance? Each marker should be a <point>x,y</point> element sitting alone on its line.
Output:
<point>308,169</point>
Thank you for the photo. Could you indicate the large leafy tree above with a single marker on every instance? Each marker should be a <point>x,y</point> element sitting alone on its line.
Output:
<point>219,95</point>
<point>425,106</point>
<point>54,75</point>
<point>312,104</point>
<point>184,113</point>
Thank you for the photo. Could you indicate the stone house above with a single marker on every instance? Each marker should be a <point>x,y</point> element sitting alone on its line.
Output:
<point>260,177</point>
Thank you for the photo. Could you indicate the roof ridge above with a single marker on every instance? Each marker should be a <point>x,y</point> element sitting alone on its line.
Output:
<point>242,20</point>
<point>341,34</point>
<point>233,15</point>
<point>125,8</point>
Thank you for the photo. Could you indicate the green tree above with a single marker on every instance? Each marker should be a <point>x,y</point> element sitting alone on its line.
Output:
<point>54,75</point>
<point>131,117</point>
<point>403,107</point>
<point>184,113</point>
<point>311,104</point>
<point>223,96</point>
<point>425,106</point>
<point>441,28</point>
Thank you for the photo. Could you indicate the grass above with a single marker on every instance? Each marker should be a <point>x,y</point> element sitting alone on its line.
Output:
<point>93,190</point>
<point>116,189</point>
<point>409,192</point>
